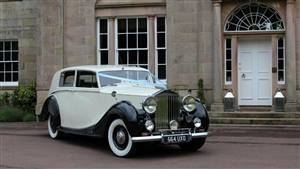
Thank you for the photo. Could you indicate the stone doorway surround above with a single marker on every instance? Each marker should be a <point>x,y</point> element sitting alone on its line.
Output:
<point>219,88</point>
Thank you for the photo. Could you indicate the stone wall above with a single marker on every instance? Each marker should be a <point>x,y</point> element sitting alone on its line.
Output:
<point>51,42</point>
<point>67,37</point>
<point>18,21</point>
<point>50,57</point>
<point>189,44</point>
<point>79,32</point>
<point>127,2</point>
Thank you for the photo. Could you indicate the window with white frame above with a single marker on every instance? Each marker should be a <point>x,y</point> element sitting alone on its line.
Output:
<point>132,41</point>
<point>102,41</point>
<point>9,60</point>
<point>254,16</point>
<point>228,61</point>
<point>281,61</point>
<point>161,49</point>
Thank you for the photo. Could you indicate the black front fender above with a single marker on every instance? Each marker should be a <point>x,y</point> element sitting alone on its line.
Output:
<point>201,112</point>
<point>122,110</point>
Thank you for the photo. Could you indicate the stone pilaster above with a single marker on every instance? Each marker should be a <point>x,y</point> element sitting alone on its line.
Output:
<point>217,57</point>
<point>111,51</point>
<point>151,41</point>
<point>291,97</point>
<point>51,46</point>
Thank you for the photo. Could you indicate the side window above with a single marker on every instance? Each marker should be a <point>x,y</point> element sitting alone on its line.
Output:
<point>86,79</point>
<point>67,79</point>
<point>228,62</point>
<point>281,61</point>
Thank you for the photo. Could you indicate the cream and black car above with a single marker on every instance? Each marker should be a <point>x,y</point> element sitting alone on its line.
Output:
<point>127,105</point>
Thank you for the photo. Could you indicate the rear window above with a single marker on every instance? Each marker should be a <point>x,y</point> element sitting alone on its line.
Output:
<point>67,79</point>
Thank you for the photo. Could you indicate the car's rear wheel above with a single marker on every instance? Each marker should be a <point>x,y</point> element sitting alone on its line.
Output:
<point>53,125</point>
<point>194,145</point>
<point>119,139</point>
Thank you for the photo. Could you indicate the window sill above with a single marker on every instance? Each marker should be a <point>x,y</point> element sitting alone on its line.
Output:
<point>228,83</point>
<point>281,83</point>
<point>9,84</point>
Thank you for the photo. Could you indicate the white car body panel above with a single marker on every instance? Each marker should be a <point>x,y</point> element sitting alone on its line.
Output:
<point>83,107</point>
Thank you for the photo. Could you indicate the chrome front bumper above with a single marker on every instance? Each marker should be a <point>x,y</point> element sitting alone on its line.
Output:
<point>159,137</point>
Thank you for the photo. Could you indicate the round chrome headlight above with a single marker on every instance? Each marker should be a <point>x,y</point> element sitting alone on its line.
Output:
<point>189,103</point>
<point>150,105</point>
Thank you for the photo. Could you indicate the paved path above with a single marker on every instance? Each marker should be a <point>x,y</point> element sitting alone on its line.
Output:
<point>28,146</point>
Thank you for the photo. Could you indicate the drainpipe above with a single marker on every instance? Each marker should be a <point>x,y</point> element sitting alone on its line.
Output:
<point>63,33</point>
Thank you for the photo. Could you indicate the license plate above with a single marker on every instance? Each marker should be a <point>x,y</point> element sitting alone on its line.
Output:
<point>172,139</point>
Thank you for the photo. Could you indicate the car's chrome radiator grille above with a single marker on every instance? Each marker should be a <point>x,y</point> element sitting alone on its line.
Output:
<point>168,106</point>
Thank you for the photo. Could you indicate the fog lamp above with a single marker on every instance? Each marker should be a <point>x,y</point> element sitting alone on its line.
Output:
<point>197,122</point>
<point>174,125</point>
<point>149,125</point>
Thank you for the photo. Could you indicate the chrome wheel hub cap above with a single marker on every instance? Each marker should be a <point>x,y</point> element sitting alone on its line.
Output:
<point>121,137</point>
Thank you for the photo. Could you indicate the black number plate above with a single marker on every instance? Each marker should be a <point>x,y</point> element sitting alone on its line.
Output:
<point>172,139</point>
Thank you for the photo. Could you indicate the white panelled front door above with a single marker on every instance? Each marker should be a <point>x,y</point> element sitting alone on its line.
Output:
<point>254,72</point>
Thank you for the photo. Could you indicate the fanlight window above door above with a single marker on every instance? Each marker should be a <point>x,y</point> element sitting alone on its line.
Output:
<point>254,17</point>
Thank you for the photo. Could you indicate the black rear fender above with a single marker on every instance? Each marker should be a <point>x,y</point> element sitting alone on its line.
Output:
<point>50,107</point>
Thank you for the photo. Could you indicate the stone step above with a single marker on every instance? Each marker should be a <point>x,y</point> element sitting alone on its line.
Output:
<point>294,115</point>
<point>256,121</point>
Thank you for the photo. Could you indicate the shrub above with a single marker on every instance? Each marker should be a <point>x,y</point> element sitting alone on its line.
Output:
<point>24,97</point>
<point>14,105</point>
<point>200,92</point>
<point>5,99</point>
<point>10,114</point>
<point>14,114</point>
<point>27,117</point>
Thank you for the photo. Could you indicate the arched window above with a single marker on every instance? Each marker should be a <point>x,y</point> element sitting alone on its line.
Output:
<point>254,17</point>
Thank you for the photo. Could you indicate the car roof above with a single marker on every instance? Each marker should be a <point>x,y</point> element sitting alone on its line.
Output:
<point>98,68</point>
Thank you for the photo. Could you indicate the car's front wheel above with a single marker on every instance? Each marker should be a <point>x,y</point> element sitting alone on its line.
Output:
<point>119,139</point>
<point>53,127</point>
<point>194,145</point>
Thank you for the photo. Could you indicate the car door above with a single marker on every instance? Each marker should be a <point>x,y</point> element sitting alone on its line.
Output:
<point>85,101</point>
<point>64,95</point>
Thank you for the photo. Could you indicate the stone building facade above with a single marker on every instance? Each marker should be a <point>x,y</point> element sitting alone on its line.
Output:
<point>251,47</point>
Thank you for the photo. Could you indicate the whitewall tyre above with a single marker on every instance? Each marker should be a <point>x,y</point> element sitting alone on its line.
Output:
<point>119,139</point>
<point>52,130</point>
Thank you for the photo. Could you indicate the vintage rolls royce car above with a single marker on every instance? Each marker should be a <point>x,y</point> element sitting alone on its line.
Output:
<point>127,105</point>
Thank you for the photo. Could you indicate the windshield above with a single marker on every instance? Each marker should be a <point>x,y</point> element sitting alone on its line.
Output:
<point>111,78</point>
